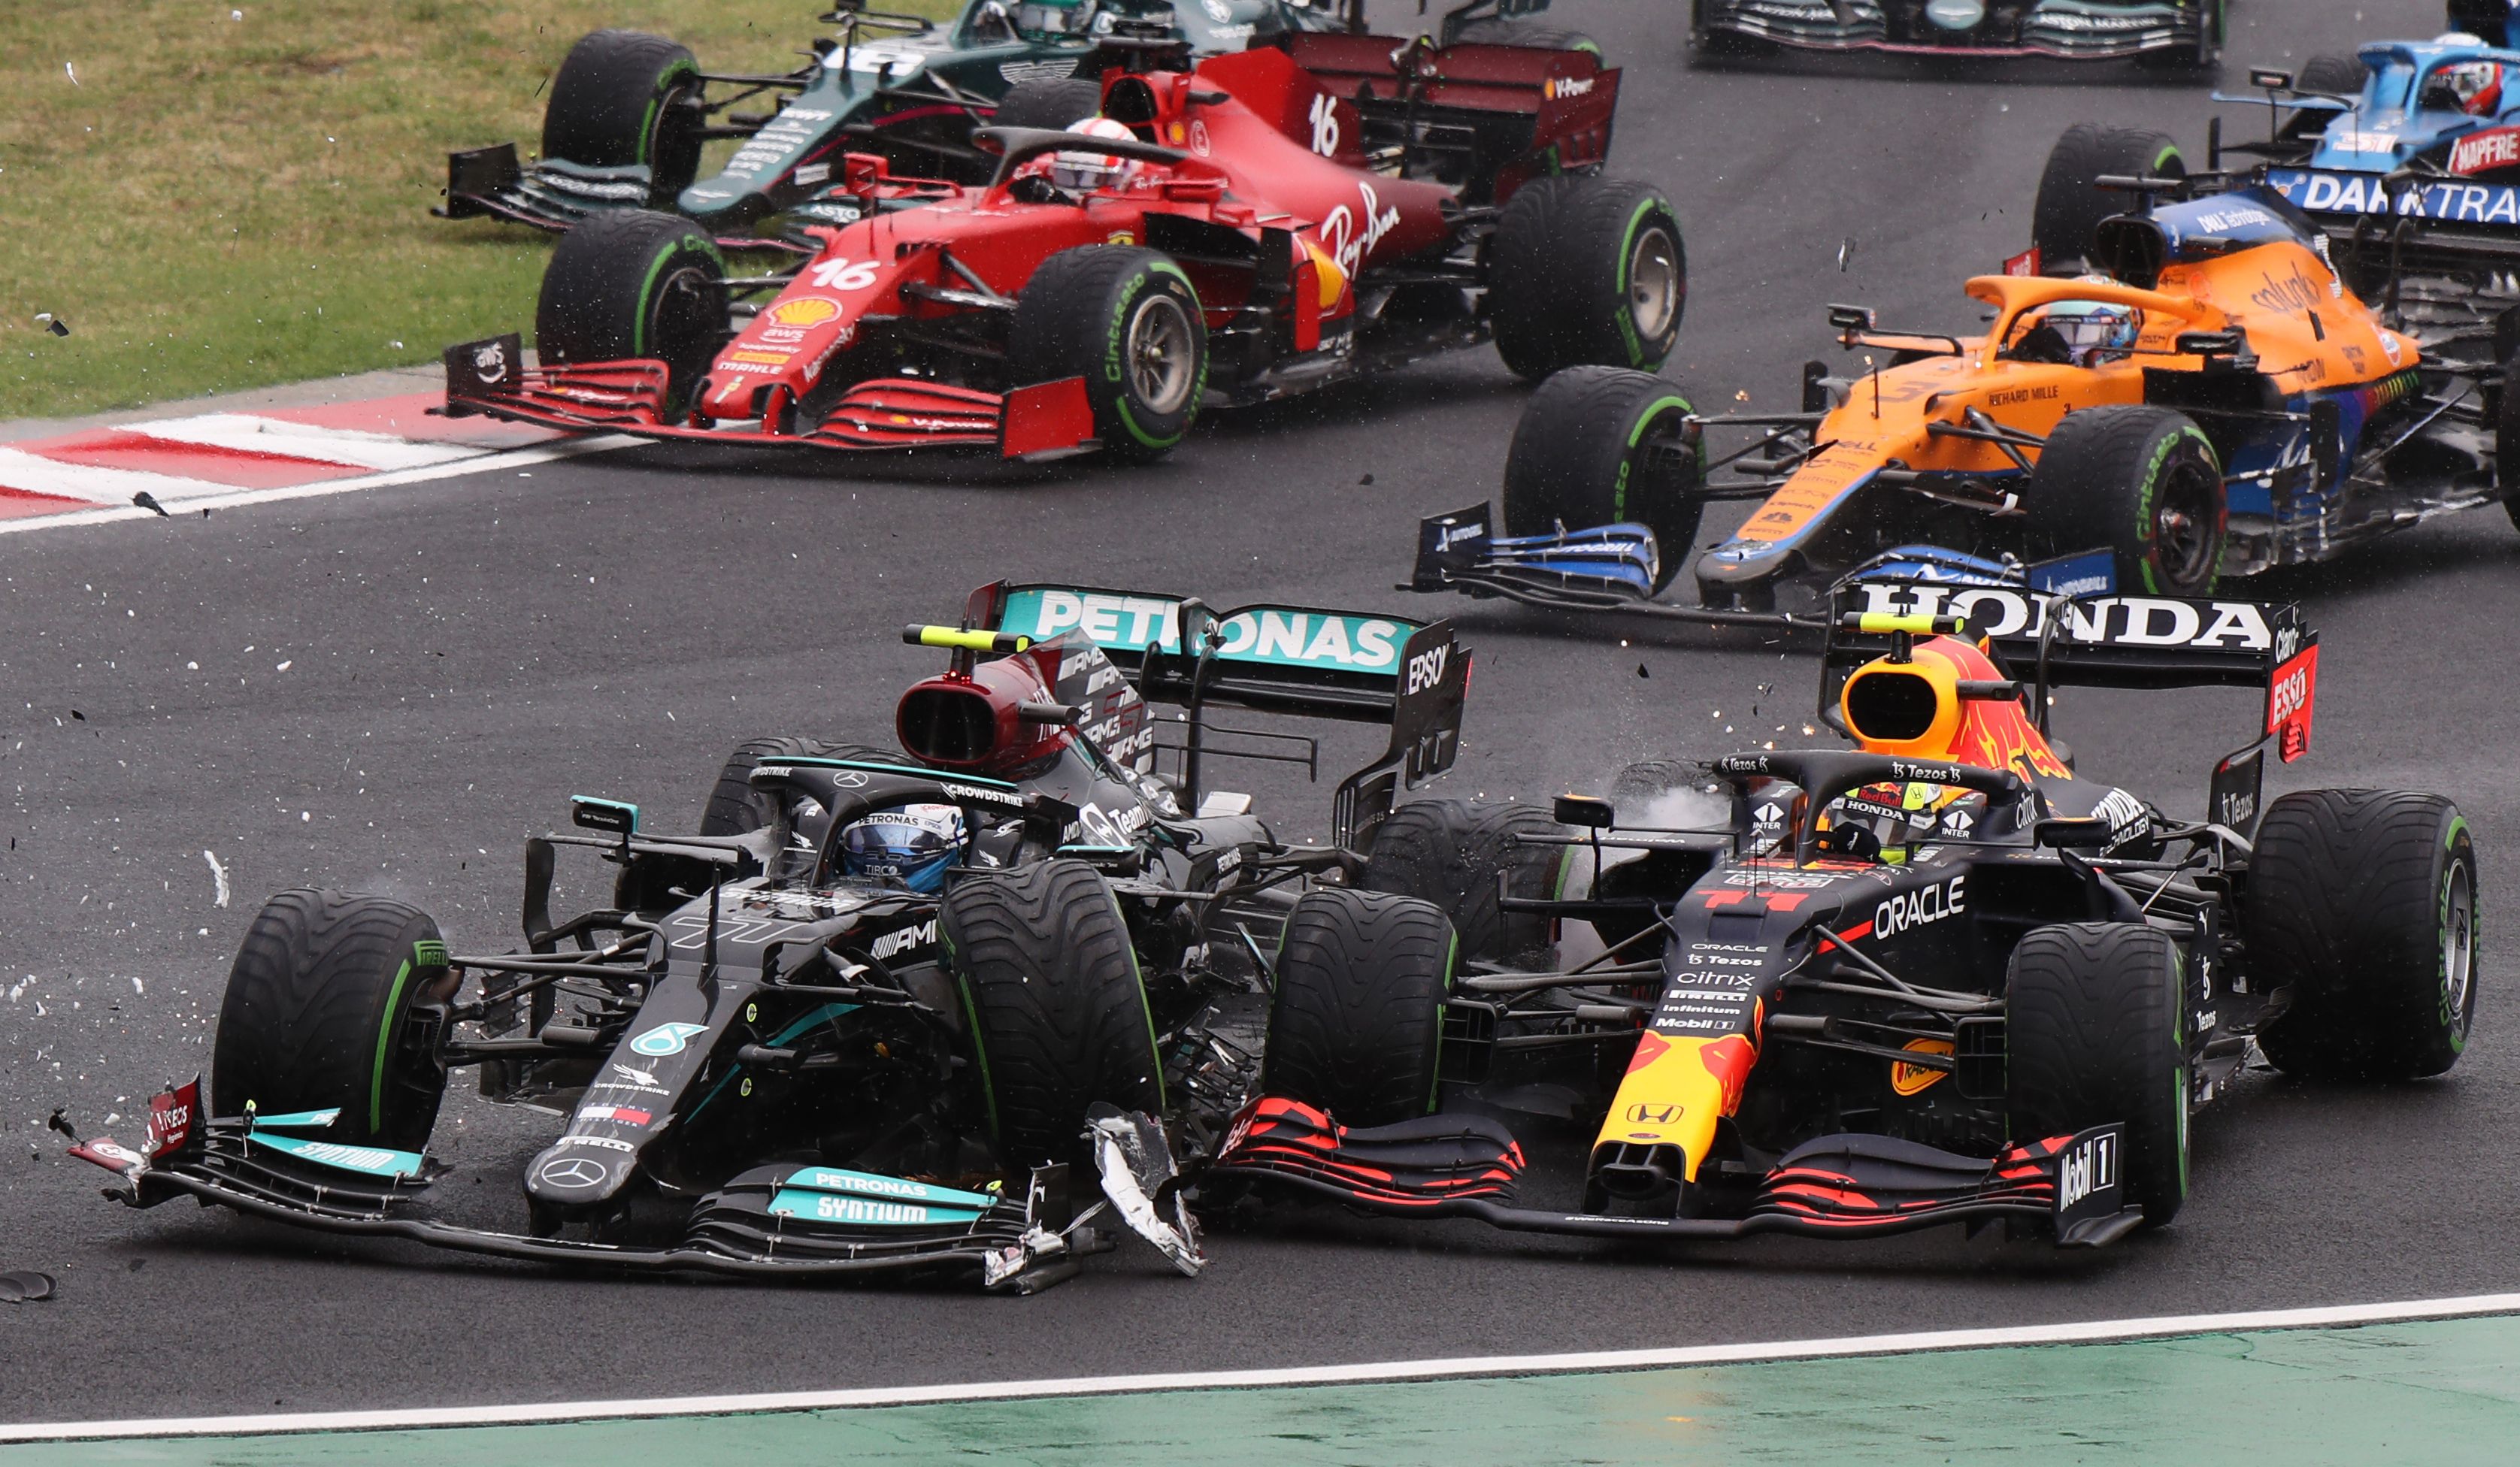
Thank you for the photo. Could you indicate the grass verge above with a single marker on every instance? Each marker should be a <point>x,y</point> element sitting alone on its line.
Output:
<point>215,196</point>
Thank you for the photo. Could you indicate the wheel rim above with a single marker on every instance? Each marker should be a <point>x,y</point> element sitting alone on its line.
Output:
<point>2185,528</point>
<point>1161,349</point>
<point>2458,945</point>
<point>1653,282</point>
<point>684,319</point>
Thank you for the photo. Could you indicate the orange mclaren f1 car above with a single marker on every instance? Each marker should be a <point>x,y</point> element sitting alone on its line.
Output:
<point>2216,402</point>
<point>1937,977</point>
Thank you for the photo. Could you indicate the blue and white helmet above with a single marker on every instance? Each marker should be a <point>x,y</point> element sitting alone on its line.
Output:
<point>912,844</point>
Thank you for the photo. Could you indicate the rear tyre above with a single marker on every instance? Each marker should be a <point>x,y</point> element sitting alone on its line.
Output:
<point>1059,1017</point>
<point>2096,1032</point>
<point>2141,483</point>
<point>325,1008</point>
<point>2364,903</point>
<point>1129,323</point>
<point>636,285</point>
<point>1595,446</point>
<point>2065,220</point>
<point>1586,270</point>
<point>1358,1009</point>
<point>1448,853</point>
<point>1058,103</point>
<point>736,808</point>
<point>2335,75</point>
<point>1494,32</point>
<point>1637,786</point>
<point>622,98</point>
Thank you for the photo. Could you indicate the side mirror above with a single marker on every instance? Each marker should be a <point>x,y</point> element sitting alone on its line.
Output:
<point>2270,81</point>
<point>1586,811</point>
<point>611,817</point>
<point>1847,318</point>
<point>2073,834</point>
<point>2210,343</point>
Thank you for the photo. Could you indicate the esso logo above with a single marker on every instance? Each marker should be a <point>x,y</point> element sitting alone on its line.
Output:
<point>1425,670</point>
<point>2290,696</point>
<point>842,275</point>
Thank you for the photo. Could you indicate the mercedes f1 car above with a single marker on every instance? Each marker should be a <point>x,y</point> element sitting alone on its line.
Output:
<point>2159,33</point>
<point>2215,401</point>
<point>866,1018</point>
<point>1276,220</point>
<point>630,113</point>
<point>1934,978</point>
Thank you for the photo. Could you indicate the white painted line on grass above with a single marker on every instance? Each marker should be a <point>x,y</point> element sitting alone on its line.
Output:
<point>2095,1331</point>
<point>521,458</point>
<point>356,448</point>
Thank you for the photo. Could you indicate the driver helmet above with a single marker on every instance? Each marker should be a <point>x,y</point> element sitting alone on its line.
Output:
<point>1898,814</point>
<point>2093,329</point>
<point>2478,86</point>
<point>912,844</point>
<point>1084,172</point>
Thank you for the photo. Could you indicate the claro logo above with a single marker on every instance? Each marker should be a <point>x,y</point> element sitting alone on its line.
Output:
<point>1920,907</point>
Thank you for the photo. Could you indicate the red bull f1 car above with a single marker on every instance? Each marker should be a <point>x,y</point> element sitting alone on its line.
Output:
<point>1936,977</point>
<point>1267,223</point>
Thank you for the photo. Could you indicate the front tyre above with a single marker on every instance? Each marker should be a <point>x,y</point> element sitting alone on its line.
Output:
<point>1128,322</point>
<point>633,286</point>
<point>624,98</point>
<point>2141,483</point>
<point>2096,1032</point>
<point>329,1006</point>
<point>1358,1014</point>
<point>2364,902</point>
<point>1058,1013</point>
<point>1602,445</point>
<point>1586,270</point>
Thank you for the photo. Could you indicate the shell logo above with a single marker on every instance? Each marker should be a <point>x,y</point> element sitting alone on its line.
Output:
<point>1909,1079</point>
<point>807,312</point>
<point>1121,237</point>
<point>1327,270</point>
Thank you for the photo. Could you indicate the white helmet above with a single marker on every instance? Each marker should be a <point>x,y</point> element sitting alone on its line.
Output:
<point>1084,172</point>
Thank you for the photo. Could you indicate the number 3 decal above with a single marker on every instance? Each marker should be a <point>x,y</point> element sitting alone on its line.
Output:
<point>843,274</point>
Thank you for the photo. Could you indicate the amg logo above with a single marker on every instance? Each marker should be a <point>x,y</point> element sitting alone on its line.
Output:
<point>2092,1167</point>
<point>919,935</point>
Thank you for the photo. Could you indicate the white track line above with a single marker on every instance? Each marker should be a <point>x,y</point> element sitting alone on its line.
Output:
<point>353,448</point>
<point>229,499</point>
<point>2088,1332</point>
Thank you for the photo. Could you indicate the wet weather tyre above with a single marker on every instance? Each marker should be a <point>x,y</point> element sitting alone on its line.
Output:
<point>1449,853</point>
<point>1586,270</point>
<point>2096,1032</point>
<point>1602,445</point>
<point>2065,219</point>
<point>634,284</point>
<point>332,1002</point>
<point>1128,322</point>
<point>2364,902</point>
<point>1636,787</point>
<point>735,807</point>
<point>1058,1014</point>
<point>623,99</point>
<point>2334,75</point>
<point>1358,1015</point>
<point>1056,103</point>
<point>2141,483</point>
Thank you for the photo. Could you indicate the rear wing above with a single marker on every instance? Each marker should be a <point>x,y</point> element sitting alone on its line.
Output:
<point>1294,661</point>
<point>2102,639</point>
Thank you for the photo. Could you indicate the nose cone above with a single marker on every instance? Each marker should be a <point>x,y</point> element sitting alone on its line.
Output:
<point>1956,14</point>
<point>572,1175</point>
<point>1742,562</point>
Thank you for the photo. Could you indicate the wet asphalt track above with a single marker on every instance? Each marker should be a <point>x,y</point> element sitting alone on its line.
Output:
<point>463,655</point>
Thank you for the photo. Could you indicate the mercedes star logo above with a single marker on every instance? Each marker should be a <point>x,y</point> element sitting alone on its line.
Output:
<point>849,780</point>
<point>571,1174</point>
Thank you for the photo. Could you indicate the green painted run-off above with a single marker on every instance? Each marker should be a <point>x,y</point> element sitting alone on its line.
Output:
<point>2438,1394</point>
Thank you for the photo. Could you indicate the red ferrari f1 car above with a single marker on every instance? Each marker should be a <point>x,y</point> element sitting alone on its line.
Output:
<point>1265,224</point>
